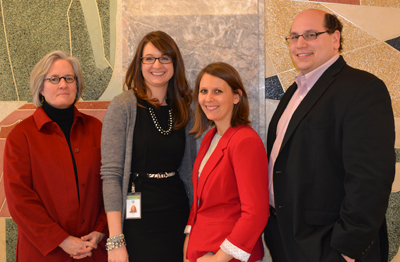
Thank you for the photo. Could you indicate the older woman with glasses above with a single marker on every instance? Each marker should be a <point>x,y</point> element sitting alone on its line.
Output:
<point>147,156</point>
<point>52,170</point>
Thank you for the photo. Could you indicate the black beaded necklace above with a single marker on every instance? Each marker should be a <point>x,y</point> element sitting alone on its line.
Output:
<point>158,126</point>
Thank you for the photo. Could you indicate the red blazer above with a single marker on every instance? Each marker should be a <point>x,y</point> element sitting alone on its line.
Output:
<point>41,190</point>
<point>231,195</point>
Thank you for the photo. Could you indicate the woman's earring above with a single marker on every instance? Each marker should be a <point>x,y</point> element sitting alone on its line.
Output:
<point>42,100</point>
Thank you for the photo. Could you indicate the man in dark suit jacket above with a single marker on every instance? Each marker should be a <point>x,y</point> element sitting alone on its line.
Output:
<point>331,149</point>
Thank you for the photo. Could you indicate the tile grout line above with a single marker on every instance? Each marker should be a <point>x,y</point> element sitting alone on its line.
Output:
<point>2,205</point>
<point>8,49</point>
<point>69,28</point>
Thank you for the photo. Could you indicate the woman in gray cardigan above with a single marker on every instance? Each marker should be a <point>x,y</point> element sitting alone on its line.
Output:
<point>147,156</point>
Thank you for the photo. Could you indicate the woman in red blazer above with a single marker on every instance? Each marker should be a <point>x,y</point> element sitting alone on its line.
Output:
<point>230,176</point>
<point>52,170</point>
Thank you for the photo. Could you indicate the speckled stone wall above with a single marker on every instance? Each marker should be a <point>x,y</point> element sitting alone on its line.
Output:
<point>371,42</point>
<point>27,34</point>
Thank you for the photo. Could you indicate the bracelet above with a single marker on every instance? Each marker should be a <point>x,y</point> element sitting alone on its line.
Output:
<point>115,242</point>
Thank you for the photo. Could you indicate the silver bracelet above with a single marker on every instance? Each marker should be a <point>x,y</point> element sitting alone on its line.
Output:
<point>115,242</point>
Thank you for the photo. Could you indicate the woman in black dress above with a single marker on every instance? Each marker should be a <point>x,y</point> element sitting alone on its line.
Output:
<point>146,149</point>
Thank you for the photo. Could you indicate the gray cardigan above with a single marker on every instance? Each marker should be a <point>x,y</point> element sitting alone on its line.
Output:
<point>116,153</point>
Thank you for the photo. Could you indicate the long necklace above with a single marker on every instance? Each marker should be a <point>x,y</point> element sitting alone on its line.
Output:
<point>158,126</point>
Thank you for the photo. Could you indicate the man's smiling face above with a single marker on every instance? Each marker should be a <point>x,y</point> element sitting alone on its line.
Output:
<point>309,55</point>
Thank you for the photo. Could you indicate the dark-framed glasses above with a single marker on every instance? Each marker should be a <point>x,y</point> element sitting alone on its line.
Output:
<point>151,60</point>
<point>307,37</point>
<point>56,79</point>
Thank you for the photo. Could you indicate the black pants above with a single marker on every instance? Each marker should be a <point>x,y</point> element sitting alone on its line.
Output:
<point>273,240</point>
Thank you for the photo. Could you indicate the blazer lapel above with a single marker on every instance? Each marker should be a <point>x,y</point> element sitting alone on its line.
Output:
<point>271,136</point>
<point>312,97</point>
<point>214,158</point>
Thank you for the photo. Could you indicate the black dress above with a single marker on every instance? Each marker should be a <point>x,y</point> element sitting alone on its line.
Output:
<point>158,235</point>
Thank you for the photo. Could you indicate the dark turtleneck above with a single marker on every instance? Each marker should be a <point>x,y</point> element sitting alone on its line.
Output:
<point>64,118</point>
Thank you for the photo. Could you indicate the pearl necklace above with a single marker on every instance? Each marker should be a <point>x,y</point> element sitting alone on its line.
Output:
<point>158,126</point>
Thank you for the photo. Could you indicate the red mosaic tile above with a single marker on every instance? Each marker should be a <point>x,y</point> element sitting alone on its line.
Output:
<point>92,105</point>
<point>4,212</point>
<point>5,130</point>
<point>79,105</point>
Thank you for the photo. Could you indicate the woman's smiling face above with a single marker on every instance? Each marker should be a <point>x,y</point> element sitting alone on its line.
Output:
<point>217,100</point>
<point>156,75</point>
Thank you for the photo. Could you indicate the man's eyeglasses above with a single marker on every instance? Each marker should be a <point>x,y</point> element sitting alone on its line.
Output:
<point>56,79</point>
<point>151,60</point>
<point>307,37</point>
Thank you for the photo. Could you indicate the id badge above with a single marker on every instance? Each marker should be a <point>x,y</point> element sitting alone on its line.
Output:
<point>134,206</point>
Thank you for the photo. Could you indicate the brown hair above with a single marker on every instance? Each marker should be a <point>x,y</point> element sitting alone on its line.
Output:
<point>332,23</point>
<point>178,88</point>
<point>240,114</point>
<point>42,67</point>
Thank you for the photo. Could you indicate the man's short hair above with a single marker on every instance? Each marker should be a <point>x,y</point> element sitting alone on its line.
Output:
<point>332,23</point>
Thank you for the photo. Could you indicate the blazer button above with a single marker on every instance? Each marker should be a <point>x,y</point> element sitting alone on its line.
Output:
<point>76,150</point>
<point>83,220</point>
<point>83,185</point>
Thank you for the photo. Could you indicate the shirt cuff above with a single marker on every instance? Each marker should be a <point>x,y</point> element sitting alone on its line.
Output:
<point>188,228</point>
<point>234,251</point>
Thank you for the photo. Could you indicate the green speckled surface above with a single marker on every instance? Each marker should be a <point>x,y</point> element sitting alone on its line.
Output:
<point>393,224</point>
<point>8,92</point>
<point>43,27</point>
<point>11,239</point>
<point>397,150</point>
<point>34,28</point>
<point>104,10</point>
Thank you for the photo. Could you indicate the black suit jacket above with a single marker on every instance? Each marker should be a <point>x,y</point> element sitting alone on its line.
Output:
<point>334,172</point>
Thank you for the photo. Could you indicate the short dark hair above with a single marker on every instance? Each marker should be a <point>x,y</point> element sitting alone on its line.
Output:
<point>332,23</point>
<point>240,114</point>
<point>178,87</point>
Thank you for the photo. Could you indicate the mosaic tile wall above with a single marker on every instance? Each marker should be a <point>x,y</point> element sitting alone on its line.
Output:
<point>249,34</point>
<point>371,42</point>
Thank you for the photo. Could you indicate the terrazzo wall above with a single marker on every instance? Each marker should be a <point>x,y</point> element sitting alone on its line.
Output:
<point>371,31</point>
<point>249,34</point>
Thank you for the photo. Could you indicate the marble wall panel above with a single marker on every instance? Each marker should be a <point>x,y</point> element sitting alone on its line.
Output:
<point>193,7</point>
<point>203,38</point>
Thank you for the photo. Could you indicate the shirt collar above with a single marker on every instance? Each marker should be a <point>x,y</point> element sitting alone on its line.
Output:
<point>312,77</point>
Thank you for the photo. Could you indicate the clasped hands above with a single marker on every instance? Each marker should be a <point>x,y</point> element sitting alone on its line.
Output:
<point>79,248</point>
